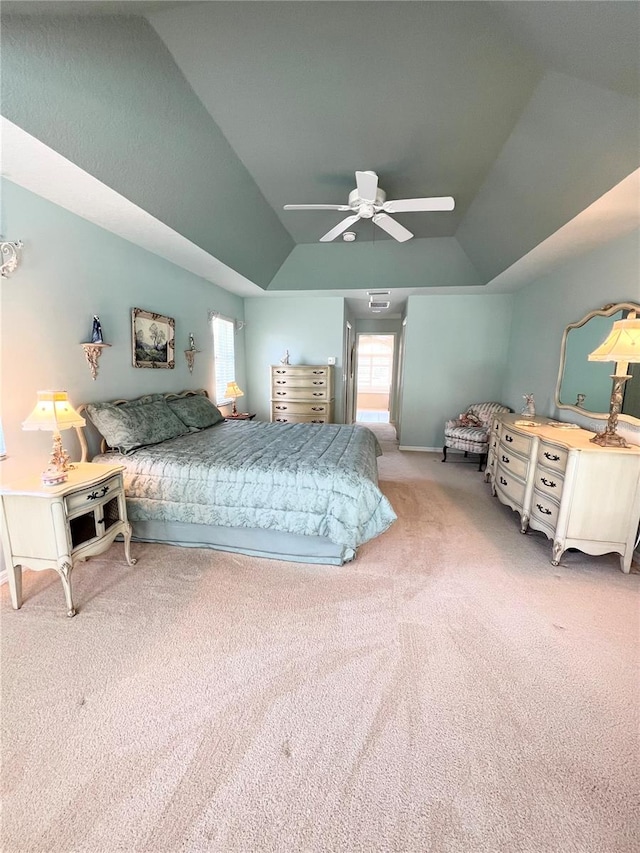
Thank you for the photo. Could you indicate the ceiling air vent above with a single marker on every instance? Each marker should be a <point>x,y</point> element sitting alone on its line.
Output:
<point>378,306</point>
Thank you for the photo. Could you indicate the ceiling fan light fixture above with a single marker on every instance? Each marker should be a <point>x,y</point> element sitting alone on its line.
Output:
<point>349,236</point>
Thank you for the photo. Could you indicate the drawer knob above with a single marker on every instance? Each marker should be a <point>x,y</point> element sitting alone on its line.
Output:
<point>552,456</point>
<point>282,420</point>
<point>548,483</point>
<point>318,382</point>
<point>543,510</point>
<point>281,371</point>
<point>317,408</point>
<point>320,372</point>
<point>505,459</point>
<point>317,421</point>
<point>281,381</point>
<point>317,393</point>
<point>503,481</point>
<point>508,438</point>
<point>281,393</point>
<point>280,408</point>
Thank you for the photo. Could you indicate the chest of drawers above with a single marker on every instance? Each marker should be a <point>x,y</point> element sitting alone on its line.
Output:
<point>578,494</point>
<point>302,393</point>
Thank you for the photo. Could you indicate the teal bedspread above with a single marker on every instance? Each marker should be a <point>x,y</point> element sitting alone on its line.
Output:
<point>314,480</point>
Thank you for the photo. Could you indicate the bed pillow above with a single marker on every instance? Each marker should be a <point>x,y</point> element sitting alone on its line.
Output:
<point>131,425</point>
<point>196,412</point>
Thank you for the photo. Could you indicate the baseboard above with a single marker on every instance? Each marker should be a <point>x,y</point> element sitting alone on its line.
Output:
<point>423,449</point>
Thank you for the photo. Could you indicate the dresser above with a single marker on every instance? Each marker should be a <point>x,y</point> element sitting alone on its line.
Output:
<point>302,393</point>
<point>576,493</point>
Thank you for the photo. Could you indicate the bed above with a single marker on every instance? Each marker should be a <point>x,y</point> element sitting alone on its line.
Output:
<point>301,492</point>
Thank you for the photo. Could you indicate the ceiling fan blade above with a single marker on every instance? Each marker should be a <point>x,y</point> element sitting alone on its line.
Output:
<point>367,184</point>
<point>317,207</point>
<point>331,235</point>
<point>392,227</point>
<point>409,205</point>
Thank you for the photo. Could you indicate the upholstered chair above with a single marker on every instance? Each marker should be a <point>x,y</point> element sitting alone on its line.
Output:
<point>470,431</point>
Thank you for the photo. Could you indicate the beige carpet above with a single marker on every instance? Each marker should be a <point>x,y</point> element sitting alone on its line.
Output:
<point>450,691</point>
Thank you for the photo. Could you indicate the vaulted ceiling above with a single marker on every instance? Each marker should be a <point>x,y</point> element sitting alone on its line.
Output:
<point>525,112</point>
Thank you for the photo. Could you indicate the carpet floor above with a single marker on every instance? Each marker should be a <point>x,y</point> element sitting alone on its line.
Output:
<point>447,692</point>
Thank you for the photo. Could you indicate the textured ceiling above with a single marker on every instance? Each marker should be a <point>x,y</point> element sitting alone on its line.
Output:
<point>525,112</point>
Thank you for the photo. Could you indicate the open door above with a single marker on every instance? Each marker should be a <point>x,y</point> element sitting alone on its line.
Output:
<point>374,381</point>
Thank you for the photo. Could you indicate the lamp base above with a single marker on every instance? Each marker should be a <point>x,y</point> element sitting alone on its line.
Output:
<point>610,438</point>
<point>59,459</point>
<point>234,409</point>
<point>606,439</point>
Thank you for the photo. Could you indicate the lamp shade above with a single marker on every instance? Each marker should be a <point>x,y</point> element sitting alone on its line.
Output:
<point>622,343</point>
<point>233,390</point>
<point>53,412</point>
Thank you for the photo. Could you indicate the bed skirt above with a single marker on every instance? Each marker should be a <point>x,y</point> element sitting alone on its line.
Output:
<point>254,542</point>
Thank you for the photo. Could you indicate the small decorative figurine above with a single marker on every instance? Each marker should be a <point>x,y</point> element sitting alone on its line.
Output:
<point>530,405</point>
<point>192,343</point>
<point>96,331</point>
<point>285,357</point>
<point>580,400</point>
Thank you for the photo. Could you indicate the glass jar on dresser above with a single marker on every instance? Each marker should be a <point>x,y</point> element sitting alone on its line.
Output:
<point>302,393</point>
<point>578,494</point>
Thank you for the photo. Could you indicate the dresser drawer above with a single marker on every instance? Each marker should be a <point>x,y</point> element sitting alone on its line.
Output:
<point>515,442</point>
<point>511,463</point>
<point>97,494</point>
<point>307,382</point>
<point>300,394</point>
<point>552,456</point>
<point>285,409</point>
<point>549,482</point>
<point>512,488</point>
<point>293,371</point>
<point>301,419</point>
<point>544,509</point>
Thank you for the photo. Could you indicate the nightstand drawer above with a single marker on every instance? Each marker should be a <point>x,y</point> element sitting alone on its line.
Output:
<point>94,495</point>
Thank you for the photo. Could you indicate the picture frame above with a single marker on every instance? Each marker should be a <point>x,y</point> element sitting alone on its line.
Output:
<point>152,339</point>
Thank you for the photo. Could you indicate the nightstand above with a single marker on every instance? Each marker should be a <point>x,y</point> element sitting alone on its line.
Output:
<point>241,416</point>
<point>54,527</point>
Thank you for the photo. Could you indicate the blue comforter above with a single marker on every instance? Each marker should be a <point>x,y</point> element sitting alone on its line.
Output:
<point>315,480</point>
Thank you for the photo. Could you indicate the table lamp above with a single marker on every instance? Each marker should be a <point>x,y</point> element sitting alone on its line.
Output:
<point>53,412</point>
<point>233,390</point>
<point>622,346</point>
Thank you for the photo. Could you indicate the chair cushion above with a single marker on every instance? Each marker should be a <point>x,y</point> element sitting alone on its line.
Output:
<point>471,439</point>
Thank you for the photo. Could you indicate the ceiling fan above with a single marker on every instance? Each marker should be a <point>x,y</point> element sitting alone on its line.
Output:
<point>368,201</point>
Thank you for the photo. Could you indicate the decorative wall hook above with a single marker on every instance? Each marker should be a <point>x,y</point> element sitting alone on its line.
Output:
<point>190,354</point>
<point>10,253</point>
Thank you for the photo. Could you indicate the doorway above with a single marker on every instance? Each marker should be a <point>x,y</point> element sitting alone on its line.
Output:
<point>374,378</point>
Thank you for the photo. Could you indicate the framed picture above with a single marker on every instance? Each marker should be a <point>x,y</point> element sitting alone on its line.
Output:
<point>152,339</point>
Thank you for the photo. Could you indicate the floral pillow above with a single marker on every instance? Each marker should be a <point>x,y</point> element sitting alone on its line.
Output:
<point>196,412</point>
<point>132,425</point>
<point>470,419</point>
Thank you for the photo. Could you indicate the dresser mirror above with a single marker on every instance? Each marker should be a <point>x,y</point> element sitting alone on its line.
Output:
<point>585,386</point>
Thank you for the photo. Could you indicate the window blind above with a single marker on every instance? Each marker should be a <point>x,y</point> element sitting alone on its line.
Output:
<point>224,357</point>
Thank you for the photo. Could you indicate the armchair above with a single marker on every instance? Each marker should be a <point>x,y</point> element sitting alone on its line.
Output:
<point>470,431</point>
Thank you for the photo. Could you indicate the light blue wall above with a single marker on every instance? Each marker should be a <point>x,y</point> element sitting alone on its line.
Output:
<point>106,94</point>
<point>545,307</point>
<point>455,355</point>
<point>311,328</point>
<point>71,270</point>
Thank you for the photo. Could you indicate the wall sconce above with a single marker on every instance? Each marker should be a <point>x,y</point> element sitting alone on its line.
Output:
<point>10,254</point>
<point>190,354</point>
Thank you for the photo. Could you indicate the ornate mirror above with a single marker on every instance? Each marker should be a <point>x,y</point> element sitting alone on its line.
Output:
<point>585,386</point>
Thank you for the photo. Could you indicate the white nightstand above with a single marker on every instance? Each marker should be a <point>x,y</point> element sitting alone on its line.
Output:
<point>45,527</point>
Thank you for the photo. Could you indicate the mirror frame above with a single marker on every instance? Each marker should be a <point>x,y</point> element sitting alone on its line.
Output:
<point>607,311</point>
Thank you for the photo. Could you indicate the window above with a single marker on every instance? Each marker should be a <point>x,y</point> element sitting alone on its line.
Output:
<point>224,356</point>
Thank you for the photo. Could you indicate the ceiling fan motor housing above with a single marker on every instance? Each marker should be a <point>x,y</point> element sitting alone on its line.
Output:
<point>365,207</point>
